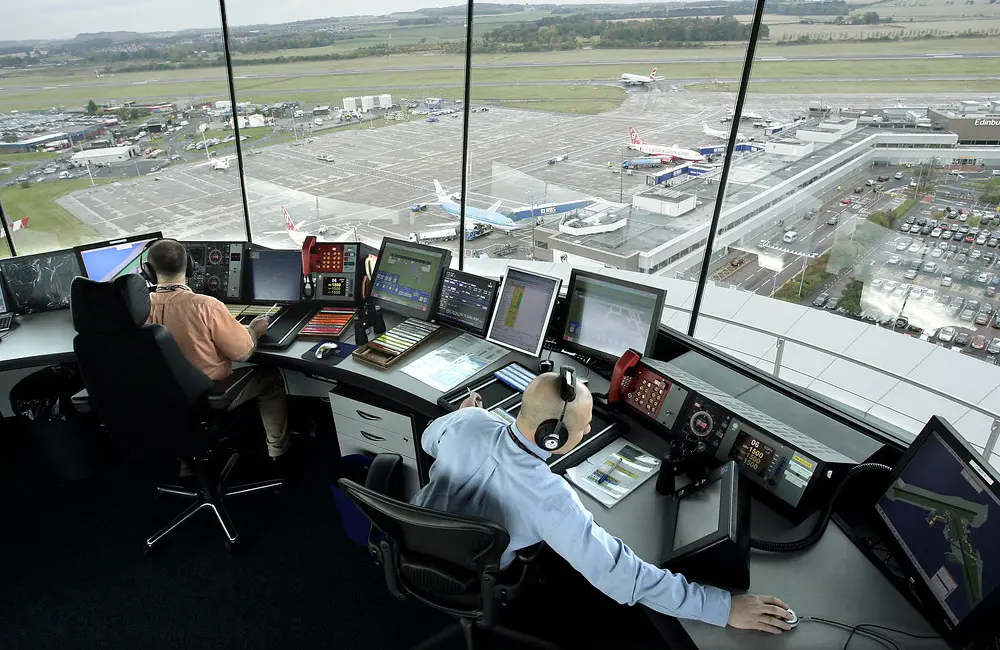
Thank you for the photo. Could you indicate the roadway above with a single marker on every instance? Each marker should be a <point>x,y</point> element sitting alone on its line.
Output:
<point>500,64</point>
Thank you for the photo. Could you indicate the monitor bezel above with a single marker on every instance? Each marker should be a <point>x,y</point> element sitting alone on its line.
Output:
<point>14,307</point>
<point>654,325</point>
<point>548,312</point>
<point>247,280</point>
<point>404,310</point>
<point>727,475</point>
<point>980,619</point>
<point>80,250</point>
<point>494,293</point>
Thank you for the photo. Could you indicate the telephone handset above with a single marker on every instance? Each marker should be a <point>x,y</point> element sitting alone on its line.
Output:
<point>369,278</point>
<point>622,375</point>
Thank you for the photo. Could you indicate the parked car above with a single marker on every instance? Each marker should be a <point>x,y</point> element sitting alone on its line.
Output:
<point>946,334</point>
<point>821,300</point>
<point>831,304</point>
<point>994,346</point>
<point>962,338</point>
<point>978,342</point>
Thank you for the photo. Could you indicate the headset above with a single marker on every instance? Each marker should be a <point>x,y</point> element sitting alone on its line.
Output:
<point>552,434</point>
<point>146,269</point>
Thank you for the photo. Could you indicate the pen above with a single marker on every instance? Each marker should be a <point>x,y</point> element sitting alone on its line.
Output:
<point>479,401</point>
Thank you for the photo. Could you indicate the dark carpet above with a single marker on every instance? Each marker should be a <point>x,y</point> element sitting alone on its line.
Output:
<point>75,575</point>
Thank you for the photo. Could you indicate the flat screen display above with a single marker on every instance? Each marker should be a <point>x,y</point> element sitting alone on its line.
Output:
<point>275,276</point>
<point>108,260</point>
<point>698,514</point>
<point>38,283</point>
<point>752,453</point>
<point>523,311</point>
<point>943,510</point>
<point>466,301</point>
<point>608,316</point>
<point>407,277</point>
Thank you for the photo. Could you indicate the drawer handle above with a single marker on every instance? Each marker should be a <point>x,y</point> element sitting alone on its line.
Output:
<point>371,436</point>
<point>368,416</point>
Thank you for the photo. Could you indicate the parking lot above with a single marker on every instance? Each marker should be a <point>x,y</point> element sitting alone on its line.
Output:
<point>938,276</point>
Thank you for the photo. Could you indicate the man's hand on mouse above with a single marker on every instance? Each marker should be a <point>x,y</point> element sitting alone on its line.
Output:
<point>259,325</point>
<point>473,399</point>
<point>764,613</point>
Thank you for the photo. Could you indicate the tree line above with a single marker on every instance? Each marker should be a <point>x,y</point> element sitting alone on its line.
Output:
<point>566,33</point>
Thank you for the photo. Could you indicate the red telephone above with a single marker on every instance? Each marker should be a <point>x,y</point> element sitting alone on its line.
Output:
<point>622,375</point>
<point>321,258</point>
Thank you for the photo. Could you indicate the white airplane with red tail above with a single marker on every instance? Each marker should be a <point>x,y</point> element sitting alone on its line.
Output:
<point>654,150</point>
<point>639,79</point>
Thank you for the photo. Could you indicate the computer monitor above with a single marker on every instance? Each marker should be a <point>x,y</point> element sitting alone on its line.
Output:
<point>467,301</point>
<point>942,512</point>
<point>275,276</point>
<point>37,283</point>
<point>606,316</point>
<point>523,311</point>
<point>110,259</point>
<point>408,276</point>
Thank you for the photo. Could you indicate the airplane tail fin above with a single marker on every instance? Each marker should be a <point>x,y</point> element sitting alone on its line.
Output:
<point>288,220</point>
<point>652,75</point>
<point>705,129</point>
<point>635,136</point>
<point>441,194</point>
<point>496,206</point>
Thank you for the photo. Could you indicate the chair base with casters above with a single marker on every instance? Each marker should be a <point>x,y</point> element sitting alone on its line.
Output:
<point>211,491</point>
<point>467,630</point>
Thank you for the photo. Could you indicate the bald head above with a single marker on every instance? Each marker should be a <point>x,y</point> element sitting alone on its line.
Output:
<point>541,402</point>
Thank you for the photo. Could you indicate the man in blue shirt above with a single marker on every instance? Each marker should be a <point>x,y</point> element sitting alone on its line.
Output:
<point>485,468</point>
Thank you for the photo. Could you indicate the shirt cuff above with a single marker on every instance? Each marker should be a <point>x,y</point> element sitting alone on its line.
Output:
<point>717,604</point>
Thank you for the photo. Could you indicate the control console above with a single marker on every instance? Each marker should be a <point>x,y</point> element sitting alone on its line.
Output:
<point>789,467</point>
<point>218,268</point>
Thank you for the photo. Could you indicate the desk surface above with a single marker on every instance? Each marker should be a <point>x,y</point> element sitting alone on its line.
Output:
<point>831,580</point>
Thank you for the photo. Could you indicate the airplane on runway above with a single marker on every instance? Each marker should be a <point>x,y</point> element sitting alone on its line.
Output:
<point>674,152</point>
<point>722,135</point>
<point>15,226</point>
<point>640,80</point>
<point>489,216</point>
<point>746,115</point>
<point>222,164</point>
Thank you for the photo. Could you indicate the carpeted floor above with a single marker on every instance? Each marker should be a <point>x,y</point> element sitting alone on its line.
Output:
<point>75,575</point>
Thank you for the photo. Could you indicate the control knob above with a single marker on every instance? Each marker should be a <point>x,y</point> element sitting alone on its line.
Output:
<point>701,423</point>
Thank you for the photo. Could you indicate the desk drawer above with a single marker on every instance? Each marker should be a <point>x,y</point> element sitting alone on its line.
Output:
<point>345,407</point>
<point>365,433</point>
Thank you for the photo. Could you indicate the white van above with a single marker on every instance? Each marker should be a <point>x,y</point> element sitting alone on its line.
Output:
<point>790,236</point>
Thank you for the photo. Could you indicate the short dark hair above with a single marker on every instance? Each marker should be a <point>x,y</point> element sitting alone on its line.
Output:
<point>168,257</point>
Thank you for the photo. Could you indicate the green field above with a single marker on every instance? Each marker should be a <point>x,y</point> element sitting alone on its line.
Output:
<point>820,88</point>
<point>49,225</point>
<point>33,158</point>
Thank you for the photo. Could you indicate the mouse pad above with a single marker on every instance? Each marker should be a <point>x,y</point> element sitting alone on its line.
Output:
<point>342,352</point>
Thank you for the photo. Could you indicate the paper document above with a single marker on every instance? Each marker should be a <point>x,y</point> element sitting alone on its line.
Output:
<point>614,472</point>
<point>454,362</point>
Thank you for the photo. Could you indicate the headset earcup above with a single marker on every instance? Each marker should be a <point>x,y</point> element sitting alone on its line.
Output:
<point>189,270</point>
<point>147,273</point>
<point>551,435</point>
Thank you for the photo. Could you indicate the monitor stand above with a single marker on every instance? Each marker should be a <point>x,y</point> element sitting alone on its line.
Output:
<point>369,317</point>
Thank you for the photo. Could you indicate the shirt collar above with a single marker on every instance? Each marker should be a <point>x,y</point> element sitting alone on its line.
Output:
<point>530,444</point>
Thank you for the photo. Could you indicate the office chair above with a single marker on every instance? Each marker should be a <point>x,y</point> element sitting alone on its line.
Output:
<point>449,562</point>
<point>141,385</point>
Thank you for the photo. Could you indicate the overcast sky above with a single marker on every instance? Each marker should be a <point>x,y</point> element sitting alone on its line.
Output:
<point>46,19</point>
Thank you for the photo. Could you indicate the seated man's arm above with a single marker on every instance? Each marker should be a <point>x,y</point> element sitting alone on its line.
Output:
<point>611,566</point>
<point>236,342</point>
<point>435,432</point>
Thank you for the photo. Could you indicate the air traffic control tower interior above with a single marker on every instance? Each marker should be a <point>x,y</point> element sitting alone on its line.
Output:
<point>327,331</point>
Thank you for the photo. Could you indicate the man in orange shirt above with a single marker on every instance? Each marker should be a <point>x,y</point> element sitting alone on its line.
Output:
<point>212,339</point>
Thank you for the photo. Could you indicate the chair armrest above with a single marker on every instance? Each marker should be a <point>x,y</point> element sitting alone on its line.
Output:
<point>529,554</point>
<point>81,402</point>
<point>521,574</point>
<point>384,475</point>
<point>222,394</point>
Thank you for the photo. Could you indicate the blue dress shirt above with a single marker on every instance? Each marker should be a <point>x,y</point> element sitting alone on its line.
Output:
<point>480,471</point>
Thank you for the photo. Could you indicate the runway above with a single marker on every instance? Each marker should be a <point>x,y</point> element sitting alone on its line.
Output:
<point>661,61</point>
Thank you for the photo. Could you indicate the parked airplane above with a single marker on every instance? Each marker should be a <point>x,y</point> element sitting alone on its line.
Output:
<point>221,164</point>
<point>294,232</point>
<point>746,115</point>
<point>675,152</point>
<point>489,215</point>
<point>640,80</point>
<point>15,226</point>
<point>722,135</point>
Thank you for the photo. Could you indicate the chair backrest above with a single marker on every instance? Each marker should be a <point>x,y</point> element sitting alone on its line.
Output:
<point>140,383</point>
<point>448,561</point>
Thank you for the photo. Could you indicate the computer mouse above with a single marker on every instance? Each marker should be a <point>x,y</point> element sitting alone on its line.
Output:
<point>792,619</point>
<point>325,350</point>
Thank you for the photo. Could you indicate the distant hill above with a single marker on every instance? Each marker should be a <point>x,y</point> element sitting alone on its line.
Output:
<point>114,37</point>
